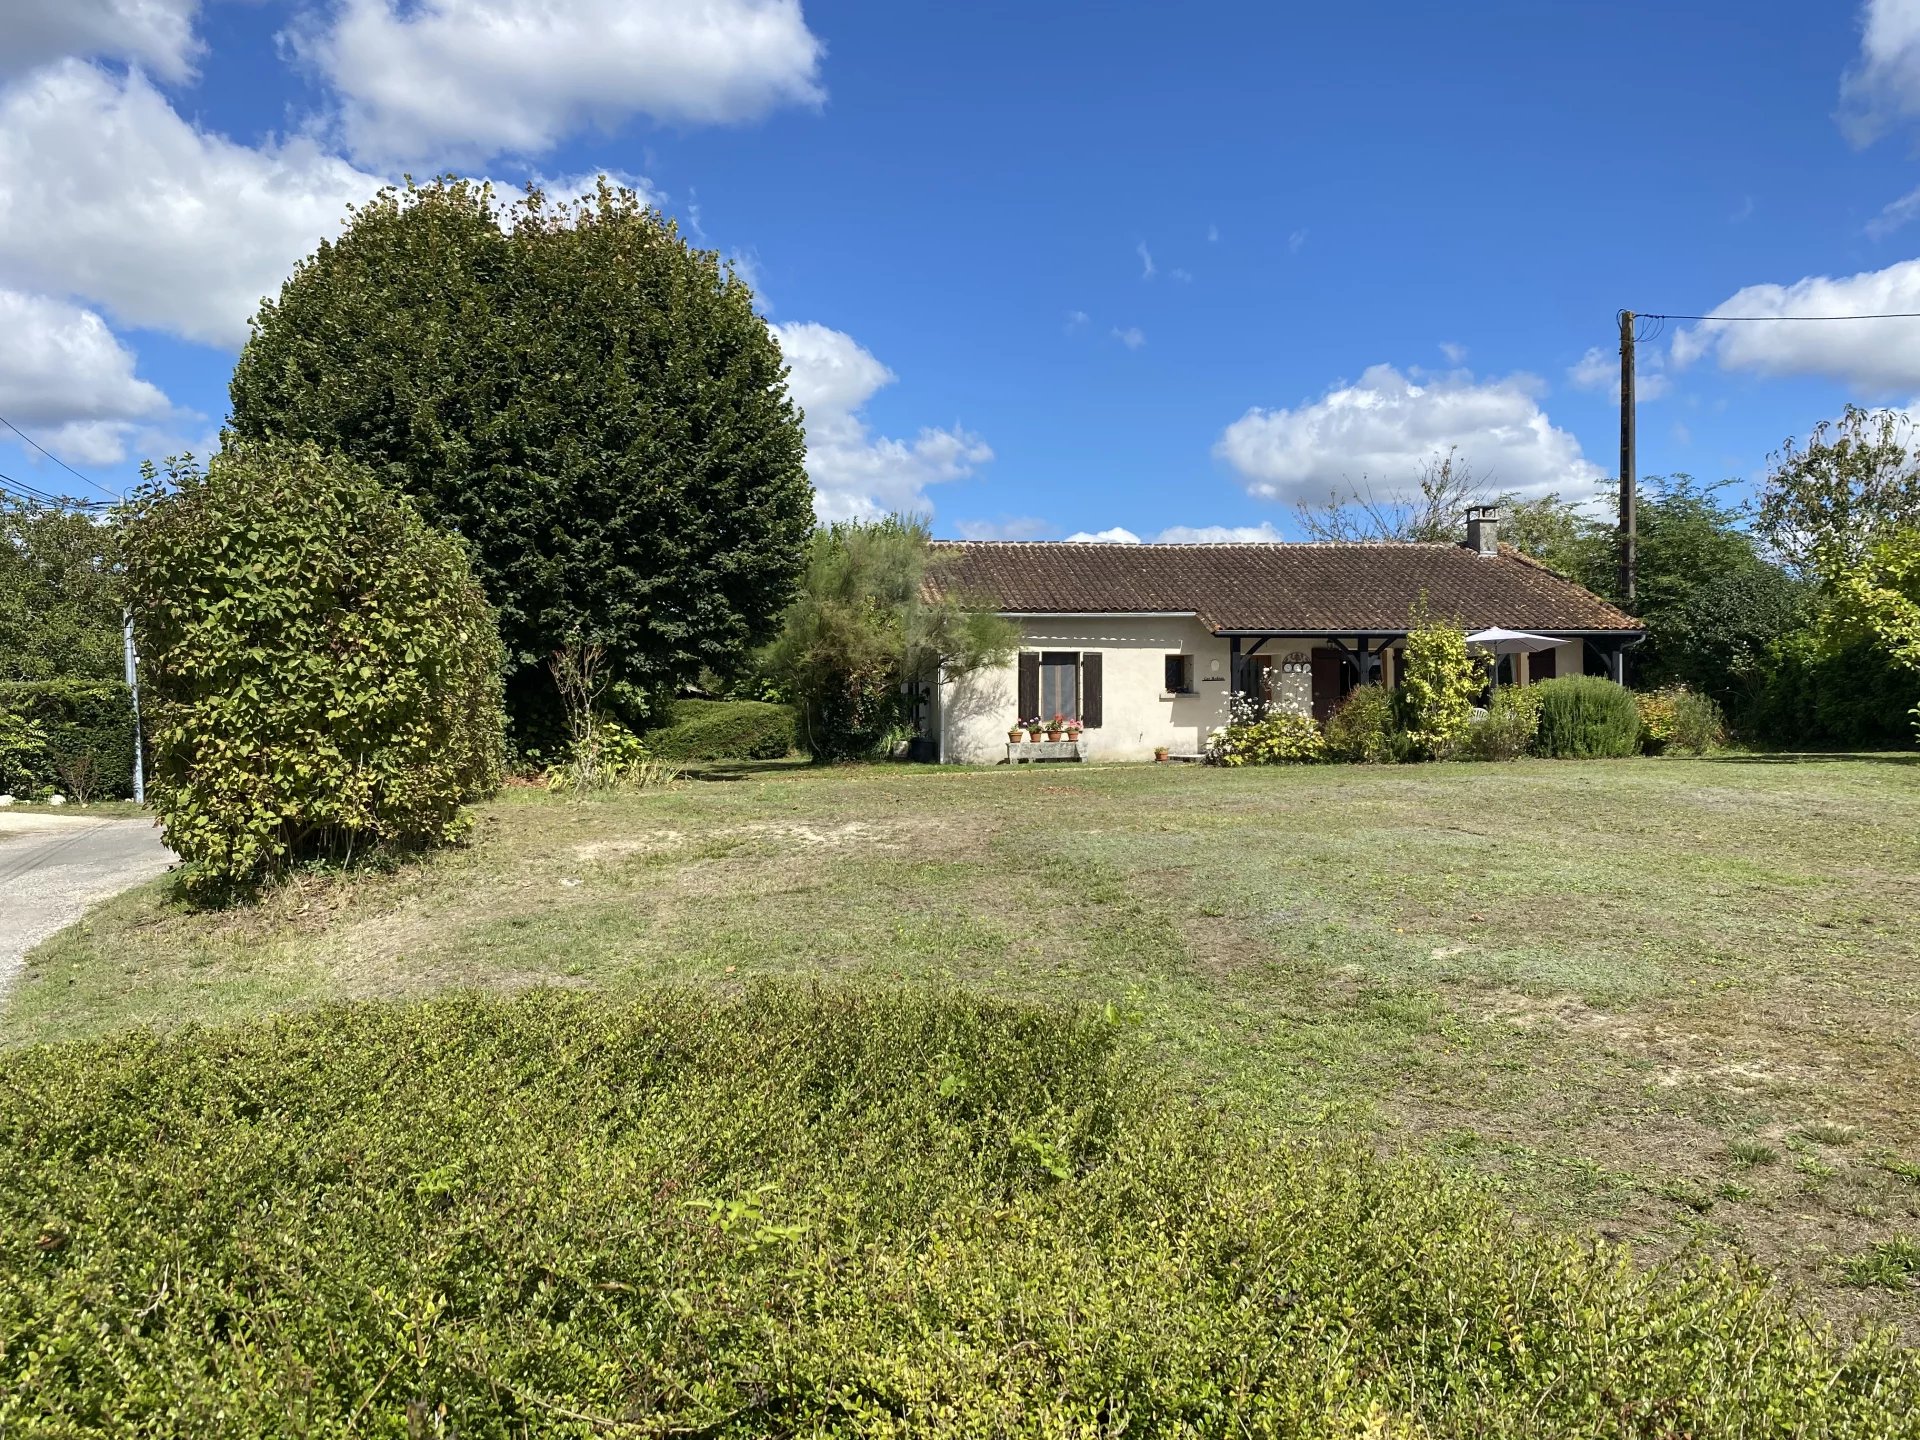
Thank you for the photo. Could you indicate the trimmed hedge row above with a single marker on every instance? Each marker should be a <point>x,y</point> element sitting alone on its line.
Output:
<point>723,730</point>
<point>805,1212</point>
<point>84,723</point>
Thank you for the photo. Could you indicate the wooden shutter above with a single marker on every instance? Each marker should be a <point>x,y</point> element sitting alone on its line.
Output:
<point>1090,690</point>
<point>1541,664</point>
<point>1029,685</point>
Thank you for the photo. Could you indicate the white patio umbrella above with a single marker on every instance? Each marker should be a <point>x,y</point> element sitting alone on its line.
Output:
<point>1510,642</point>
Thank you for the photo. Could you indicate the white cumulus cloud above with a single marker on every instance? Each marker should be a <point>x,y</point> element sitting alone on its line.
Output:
<point>1262,534</point>
<point>1879,357</point>
<point>1380,429</point>
<point>1883,85</point>
<point>106,194</point>
<point>1131,336</point>
<point>1600,370</point>
<point>459,81</point>
<point>1118,535</point>
<point>67,381</point>
<point>1007,527</point>
<point>157,34</point>
<point>857,474</point>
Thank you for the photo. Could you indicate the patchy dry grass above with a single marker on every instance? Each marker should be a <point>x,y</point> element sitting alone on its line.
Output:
<point>1675,1001</point>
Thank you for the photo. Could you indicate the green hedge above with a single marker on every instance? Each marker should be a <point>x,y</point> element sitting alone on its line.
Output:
<point>1586,717</point>
<point>804,1213</point>
<point>85,723</point>
<point>723,730</point>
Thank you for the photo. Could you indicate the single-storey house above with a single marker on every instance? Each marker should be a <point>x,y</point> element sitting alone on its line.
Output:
<point>1144,643</point>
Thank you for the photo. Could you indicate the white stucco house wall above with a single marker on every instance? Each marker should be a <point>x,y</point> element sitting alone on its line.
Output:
<point>1146,643</point>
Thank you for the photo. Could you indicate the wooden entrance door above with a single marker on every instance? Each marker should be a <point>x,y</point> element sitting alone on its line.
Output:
<point>1331,681</point>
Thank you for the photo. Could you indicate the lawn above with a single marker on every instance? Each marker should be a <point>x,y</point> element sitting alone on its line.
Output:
<point>1672,1001</point>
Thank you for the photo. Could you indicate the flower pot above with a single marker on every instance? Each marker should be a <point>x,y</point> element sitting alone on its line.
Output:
<point>1053,734</point>
<point>1160,753</point>
<point>1014,737</point>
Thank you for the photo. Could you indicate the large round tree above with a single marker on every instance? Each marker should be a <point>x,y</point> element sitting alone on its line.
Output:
<point>591,403</point>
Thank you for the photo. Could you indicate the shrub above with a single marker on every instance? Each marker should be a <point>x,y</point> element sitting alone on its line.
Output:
<point>804,1212</point>
<point>1508,729</point>
<point>1680,720</point>
<point>1821,689</point>
<point>322,673</point>
<point>1366,728</point>
<point>86,728</point>
<point>1280,737</point>
<point>724,730</point>
<point>1586,717</point>
<point>610,757</point>
<point>1439,679</point>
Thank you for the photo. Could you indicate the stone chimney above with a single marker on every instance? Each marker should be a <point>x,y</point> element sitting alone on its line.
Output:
<point>1483,529</point>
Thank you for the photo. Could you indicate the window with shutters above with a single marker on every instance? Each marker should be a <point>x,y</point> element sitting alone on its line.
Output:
<point>1180,674</point>
<point>1059,684</point>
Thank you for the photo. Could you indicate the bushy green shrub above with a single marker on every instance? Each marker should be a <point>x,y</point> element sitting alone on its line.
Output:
<point>1439,680</point>
<point>322,674</point>
<point>1509,727</point>
<point>87,730</point>
<point>806,1212</point>
<point>1366,728</point>
<point>1585,717</point>
<point>1819,691</point>
<point>1279,737</point>
<point>724,730</point>
<point>1681,721</point>
<point>611,757</point>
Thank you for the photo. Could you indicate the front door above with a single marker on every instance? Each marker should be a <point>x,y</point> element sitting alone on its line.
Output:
<point>1331,681</point>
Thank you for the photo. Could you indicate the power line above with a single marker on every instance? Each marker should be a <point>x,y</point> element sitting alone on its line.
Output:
<point>57,460</point>
<point>1896,315</point>
<point>19,489</point>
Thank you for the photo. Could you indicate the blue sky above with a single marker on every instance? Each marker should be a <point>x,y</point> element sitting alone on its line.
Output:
<point>1040,270</point>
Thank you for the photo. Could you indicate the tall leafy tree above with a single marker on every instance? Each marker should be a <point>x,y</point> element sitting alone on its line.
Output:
<point>592,404</point>
<point>1825,503</point>
<point>60,600</point>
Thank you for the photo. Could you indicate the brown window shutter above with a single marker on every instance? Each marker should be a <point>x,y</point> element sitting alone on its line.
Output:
<point>1029,685</point>
<point>1090,690</point>
<point>1541,664</point>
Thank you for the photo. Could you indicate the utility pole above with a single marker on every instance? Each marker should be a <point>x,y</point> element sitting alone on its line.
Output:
<point>1629,499</point>
<point>133,689</point>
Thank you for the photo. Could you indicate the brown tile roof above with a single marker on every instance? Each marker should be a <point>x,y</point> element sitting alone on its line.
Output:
<point>1338,589</point>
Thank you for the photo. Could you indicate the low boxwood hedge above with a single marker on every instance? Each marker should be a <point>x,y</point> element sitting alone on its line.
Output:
<point>804,1212</point>
<point>723,730</point>
<point>83,723</point>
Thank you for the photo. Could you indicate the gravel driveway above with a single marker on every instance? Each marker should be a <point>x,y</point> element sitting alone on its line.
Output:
<point>53,866</point>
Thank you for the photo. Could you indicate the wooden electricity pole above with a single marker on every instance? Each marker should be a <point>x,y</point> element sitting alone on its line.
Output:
<point>1629,500</point>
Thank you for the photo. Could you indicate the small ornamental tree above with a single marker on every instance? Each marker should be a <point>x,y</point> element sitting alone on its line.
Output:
<point>869,622</point>
<point>1880,596</point>
<point>1439,679</point>
<point>321,674</point>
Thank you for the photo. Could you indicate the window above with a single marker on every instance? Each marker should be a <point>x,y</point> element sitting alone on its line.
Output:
<point>1180,674</point>
<point>1059,684</point>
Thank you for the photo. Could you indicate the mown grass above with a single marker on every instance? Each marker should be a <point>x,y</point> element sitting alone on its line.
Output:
<point>805,1212</point>
<point>1614,988</point>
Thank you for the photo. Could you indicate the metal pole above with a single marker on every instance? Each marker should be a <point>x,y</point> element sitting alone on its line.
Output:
<point>133,689</point>
<point>1629,500</point>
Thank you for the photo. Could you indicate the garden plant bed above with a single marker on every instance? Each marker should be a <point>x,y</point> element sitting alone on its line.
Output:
<point>1664,1001</point>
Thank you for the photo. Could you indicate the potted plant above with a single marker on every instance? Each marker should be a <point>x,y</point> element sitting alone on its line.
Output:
<point>1073,729</point>
<point>1161,752</point>
<point>1017,733</point>
<point>1054,725</point>
<point>1036,729</point>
